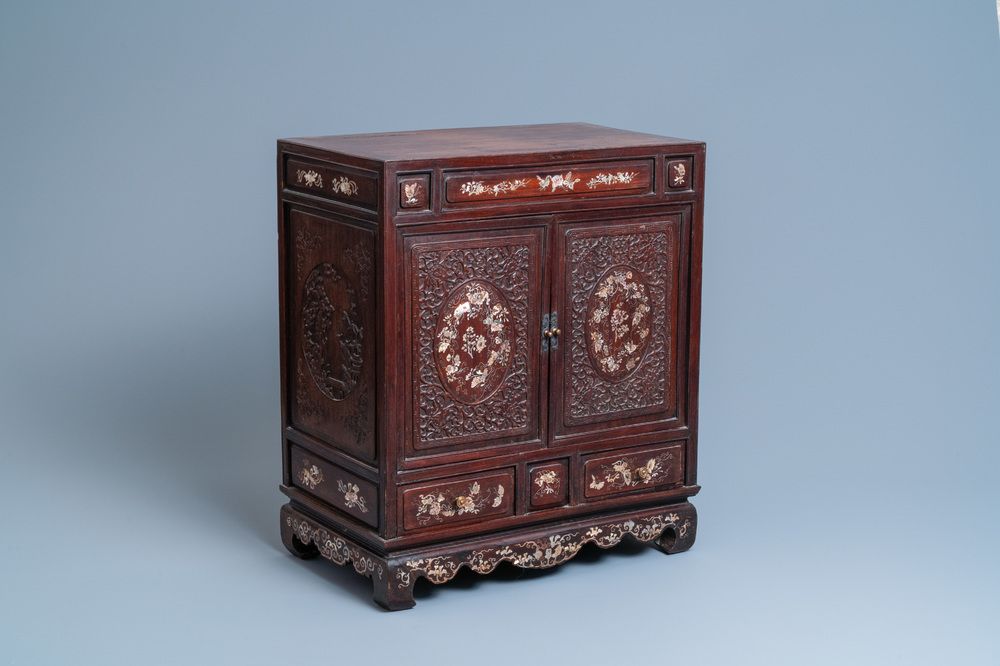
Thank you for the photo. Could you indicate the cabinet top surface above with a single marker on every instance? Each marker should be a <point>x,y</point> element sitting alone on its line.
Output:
<point>476,141</point>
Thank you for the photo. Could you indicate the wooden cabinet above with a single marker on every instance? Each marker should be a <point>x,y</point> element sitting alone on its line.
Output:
<point>489,346</point>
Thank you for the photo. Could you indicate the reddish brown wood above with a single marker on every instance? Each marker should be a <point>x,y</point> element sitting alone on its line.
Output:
<point>487,331</point>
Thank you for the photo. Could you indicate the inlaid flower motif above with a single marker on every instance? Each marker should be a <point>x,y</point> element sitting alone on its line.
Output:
<point>345,185</point>
<point>618,323</point>
<point>547,482</point>
<point>310,475</point>
<point>308,178</point>
<point>445,504</point>
<point>611,179</point>
<point>410,191</point>
<point>627,473</point>
<point>680,171</point>
<point>476,187</point>
<point>557,182</point>
<point>473,341</point>
<point>351,498</point>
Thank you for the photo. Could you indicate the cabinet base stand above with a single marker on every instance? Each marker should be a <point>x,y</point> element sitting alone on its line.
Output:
<point>671,528</point>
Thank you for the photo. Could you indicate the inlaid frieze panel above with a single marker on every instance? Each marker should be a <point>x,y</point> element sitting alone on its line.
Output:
<point>620,301</point>
<point>331,324</point>
<point>473,304</point>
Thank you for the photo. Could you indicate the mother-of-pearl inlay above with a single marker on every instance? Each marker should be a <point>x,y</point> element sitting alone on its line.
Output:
<point>473,341</point>
<point>618,323</point>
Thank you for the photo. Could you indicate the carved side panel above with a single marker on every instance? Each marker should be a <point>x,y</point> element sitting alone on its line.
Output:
<point>620,305</point>
<point>331,332</point>
<point>474,304</point>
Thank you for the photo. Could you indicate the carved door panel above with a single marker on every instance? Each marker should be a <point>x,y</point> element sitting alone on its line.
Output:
<point>616,300</point>
<point>474,305</point>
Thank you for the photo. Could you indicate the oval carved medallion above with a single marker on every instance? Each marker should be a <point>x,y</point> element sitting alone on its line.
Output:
<point>618,321</point>
<point>331,332</point>
<point>473,340</point>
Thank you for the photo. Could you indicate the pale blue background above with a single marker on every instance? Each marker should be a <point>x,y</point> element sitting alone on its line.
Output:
<point>850,365</point>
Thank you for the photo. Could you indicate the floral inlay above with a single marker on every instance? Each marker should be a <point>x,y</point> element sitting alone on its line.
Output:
<point>308,178</point>
<point>543,552</point>
<point>626,473</point>
<point>476,187</point>
<point>547,482</point>
<point>618,323</point>
<point>473,341</point>
<point>310,475</point>
<point>680,173</point>
<point>345,185</point>
<point>557,182</point>
<point>410,191</point>
<point>436,506</point>
<point>351,498</point>
<point>622,177</point>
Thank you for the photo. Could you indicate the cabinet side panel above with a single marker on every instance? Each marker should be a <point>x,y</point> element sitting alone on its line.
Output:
<point>330,295</point>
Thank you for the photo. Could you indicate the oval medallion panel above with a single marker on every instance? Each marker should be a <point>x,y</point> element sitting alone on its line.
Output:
<point>331,332</point>
<point>618,319</point>
<point>473,340</point>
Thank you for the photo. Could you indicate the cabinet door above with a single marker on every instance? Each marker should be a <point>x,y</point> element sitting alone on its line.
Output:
<point>617,302</point>
<point>474,302</point>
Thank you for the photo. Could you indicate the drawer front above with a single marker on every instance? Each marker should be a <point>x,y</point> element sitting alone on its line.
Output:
<point>472,499</point>
<point>628,472</point>
<point>338,487</point>
<point>533,184</point>
<point>330,181</point>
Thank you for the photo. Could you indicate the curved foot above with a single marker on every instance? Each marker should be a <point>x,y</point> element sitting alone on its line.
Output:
<point>394,591</point>
<point>679,535</point>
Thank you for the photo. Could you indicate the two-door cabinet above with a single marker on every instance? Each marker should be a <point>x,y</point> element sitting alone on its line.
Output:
<point>489,346</point>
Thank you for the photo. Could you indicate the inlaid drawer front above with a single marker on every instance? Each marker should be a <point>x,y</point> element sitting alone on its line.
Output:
<point>335,486</point>
<point>632,472</point>
<point>471,499</point>
<point>547,484</point>
<point>679,174</point>
<point>414,192</point>
<point>329,181</point>
<point>607,179</point>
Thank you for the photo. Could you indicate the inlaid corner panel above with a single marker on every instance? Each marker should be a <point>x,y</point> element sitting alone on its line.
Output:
<point>474,304</point>
<point>331,314</point>
<point>619,307</point>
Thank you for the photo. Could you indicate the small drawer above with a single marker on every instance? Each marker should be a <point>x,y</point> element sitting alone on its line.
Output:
<point>636,471</point>
<point>679,174</point>
<point>589,180</point>
<point>332,182</point>
<point>547,484</point>
<point>335,486</point>
<point>472,499</point>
